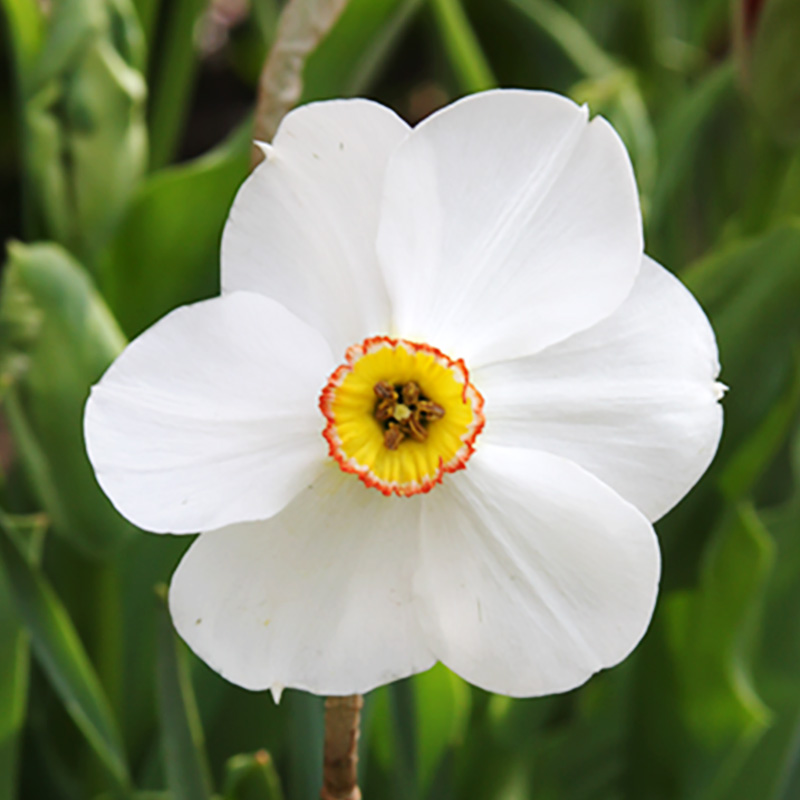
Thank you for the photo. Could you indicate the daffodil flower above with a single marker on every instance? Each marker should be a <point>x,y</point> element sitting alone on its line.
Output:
<point>434,412</point>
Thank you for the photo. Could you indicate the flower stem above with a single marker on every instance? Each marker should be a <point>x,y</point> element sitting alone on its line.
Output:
<point>339,776</point>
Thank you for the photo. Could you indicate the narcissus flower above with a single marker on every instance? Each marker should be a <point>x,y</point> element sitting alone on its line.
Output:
<point>434,412</point>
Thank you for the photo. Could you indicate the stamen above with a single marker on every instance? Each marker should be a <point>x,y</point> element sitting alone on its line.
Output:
<point>385,390</point>
<point>393,436</point>
<point>384,411</point>
<point>414,428</point>
<point>410,393</point>
<point>406,419</point>
<point>430,409</point>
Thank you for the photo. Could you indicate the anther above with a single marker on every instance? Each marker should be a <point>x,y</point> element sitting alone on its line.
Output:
<point>385,391</point>
<point>413,427</point>
<point>410,393</point>
<point>393,436</point>
<point>430,410</point>
<point>385,410</point>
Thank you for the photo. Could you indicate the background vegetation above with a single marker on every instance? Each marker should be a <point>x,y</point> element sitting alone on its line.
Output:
<point>125,132</point>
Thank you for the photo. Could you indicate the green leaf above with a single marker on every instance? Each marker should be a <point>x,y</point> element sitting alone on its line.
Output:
<point>788,200</point>
<point>20,324</point>
<point>62,657</point>
<point>188,774</point>
<point>28,532</point>
<point>710,630</point>
<point>148,11</point>
<point>751,290</point>
<point>172,78</point>
<point>9,756</point>
<point>76,341</point>
<point>266,14</point>
<point>775,79</point>
<point>680,136</point>
<point>378,734</point>
<point>85,141</point>
<point>463,49</point>
<point>252,777</point>
<point>442,711</point>
<point>389,747</point>
<point>751,460</point>
<point>403,714</point>
<point>305,735</point>
<point>25,30</point>
<point>166,250</point>
<point>14,654</point>
<point>347,61</point>
<point>772,771</point>
<point>570,35</point>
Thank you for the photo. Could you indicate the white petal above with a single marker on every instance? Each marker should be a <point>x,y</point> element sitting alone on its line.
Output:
<point>535,574</point>
<point>633,400</point>
<point>508,223</point>
<point>210,416</point>
<point>316,598</point>
<point>302,228</point>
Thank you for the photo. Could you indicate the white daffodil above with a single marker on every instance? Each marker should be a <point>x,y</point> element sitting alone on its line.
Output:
<point>434,412</point>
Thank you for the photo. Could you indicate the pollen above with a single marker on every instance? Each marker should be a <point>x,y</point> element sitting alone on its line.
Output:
<point>400,415</point>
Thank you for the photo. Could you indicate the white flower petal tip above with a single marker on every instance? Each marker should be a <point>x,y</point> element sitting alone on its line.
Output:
<point>720,390</point>
<point>276,690</point>
<point>266,148</point>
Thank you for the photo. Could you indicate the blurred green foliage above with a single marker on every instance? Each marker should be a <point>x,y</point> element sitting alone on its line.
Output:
<point>115,194</point>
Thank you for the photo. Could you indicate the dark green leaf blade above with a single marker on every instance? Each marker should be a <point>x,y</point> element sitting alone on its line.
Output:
<point>62,657</point>
<point>14,656</point>
<point>751,290</point>
<point>188,774</point>
<point>24,22</point>
<point>85,140</point>
<point>442,711</point>
<point>305,737</point>
<point>473,71</point>
<point>775,77</point>
<point>772,771</point>
<point>166,250</point>
<point>710,630</point>
<point>348,58</point>
<point>76,340</point>
<point>172,79</point>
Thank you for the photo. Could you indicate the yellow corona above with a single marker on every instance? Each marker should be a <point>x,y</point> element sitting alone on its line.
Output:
<point>401,415</point>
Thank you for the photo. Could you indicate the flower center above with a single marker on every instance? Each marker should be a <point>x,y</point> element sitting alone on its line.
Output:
<point>400,415</point>
<point>404,412</point>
